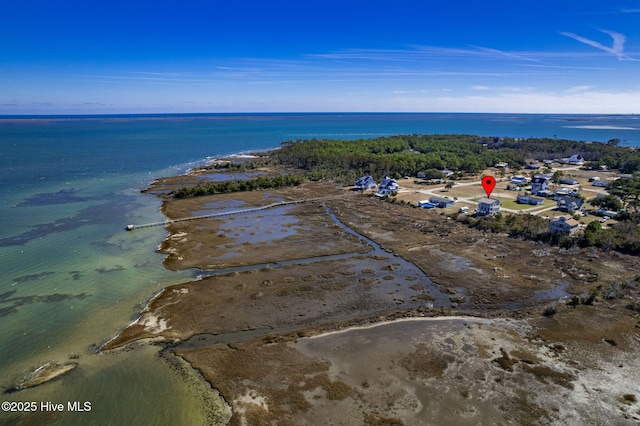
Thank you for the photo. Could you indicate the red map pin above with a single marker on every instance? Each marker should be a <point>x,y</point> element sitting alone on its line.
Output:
<point>488,183</point>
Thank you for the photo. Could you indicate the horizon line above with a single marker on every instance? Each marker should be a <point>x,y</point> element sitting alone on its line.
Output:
<point>150,114</point>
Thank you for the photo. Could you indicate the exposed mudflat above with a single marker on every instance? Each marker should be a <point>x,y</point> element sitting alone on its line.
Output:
<point>276,321</point>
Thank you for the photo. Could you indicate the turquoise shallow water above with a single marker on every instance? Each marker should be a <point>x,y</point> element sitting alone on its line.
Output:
<point>70,277</point>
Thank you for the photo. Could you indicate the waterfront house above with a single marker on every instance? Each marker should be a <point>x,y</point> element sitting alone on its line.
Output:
<point>487,206</point>
<point>539,184</point>
<point>564,224</point>
<point>365,182</point>
<point>442,202</point>
<point>569,204</point>
<point>527,199</point>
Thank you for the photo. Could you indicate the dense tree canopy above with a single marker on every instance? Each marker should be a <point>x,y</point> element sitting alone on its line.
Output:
<point>410,154</point>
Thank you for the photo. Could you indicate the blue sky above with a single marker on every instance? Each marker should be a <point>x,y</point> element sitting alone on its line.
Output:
<point>562,56</point>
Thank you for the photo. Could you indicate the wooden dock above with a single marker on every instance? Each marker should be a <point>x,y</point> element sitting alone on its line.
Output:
<point>231,213</point>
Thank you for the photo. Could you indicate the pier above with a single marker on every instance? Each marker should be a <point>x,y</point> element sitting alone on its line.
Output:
<point>231,213</point>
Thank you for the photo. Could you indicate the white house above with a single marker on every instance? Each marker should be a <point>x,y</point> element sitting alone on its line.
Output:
<point>387,186</point>
<point>447,172</point>
<point>487,206</point>
<point>576,159</point>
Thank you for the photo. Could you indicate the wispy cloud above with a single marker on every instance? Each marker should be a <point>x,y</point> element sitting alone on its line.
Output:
<point>616,49</point>
<point>578,89</point>
<point>512,55</point>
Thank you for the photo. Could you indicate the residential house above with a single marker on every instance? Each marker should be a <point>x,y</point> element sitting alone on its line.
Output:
<point>487,206</point>
<point>576,159</point>
<point>601,183</point>
<point>569,204</point>
<point>519,180</point>
<point>568,181</point>
<point>365,182</point>
<point>442,202</point>
<point>606,213</point>
<point>564,224</point>
<point>447,172</point>
<point>387,186</point>
<point>539,184</point>
<point>562,192</point>
<point>532,166</point>
<point>527,199</point>
<point>502,165</point>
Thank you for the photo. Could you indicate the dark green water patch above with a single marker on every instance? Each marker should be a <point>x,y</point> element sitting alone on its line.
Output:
<point>64,196</point>
<point>75,275</point>
<point>16,302</point>
<point>7,294</point>
<point>108,214</point>
<point>105,270</point>
<point>32,277</point>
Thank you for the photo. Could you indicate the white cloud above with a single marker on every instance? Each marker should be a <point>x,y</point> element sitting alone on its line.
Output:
<point>480,87</point>
<point>616,49</point>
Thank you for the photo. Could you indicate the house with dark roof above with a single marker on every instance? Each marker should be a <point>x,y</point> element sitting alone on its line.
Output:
<point>539,184</point>
<point>365,182</point>
<point>569,204</point>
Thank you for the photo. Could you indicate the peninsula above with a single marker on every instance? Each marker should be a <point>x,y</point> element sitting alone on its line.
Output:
<point>350,305</point>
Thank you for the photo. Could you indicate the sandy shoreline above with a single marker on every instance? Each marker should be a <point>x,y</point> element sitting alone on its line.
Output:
<point>391,267</point>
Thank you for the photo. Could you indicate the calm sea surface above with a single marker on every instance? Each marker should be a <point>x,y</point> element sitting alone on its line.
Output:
<point>71,278</point>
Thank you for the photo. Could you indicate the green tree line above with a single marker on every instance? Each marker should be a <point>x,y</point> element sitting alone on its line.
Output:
<point>229,186</point>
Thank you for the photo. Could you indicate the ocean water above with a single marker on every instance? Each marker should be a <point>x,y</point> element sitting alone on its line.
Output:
<point>71,278</point>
